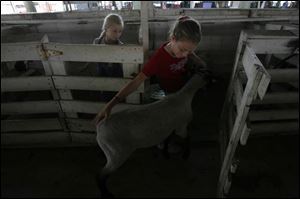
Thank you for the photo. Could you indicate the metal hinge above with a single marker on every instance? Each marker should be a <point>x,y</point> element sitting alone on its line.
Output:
<point>50,52</point>
<point>46,53</point>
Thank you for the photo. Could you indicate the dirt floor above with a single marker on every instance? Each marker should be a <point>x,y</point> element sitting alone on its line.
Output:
<point>69,172</point>
<point>269,167</point>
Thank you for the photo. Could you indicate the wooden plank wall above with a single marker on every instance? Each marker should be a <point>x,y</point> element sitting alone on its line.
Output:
<point>56,80</point>
<point>254,87</point>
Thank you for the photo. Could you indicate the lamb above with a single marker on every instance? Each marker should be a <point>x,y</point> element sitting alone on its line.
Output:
<point>144,126</point>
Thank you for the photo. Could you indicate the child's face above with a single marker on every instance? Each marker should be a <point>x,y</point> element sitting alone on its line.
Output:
<point>182,48</point>
<point>114,32</point>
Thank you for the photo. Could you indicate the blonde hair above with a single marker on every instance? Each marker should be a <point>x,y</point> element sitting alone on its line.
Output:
<point>186,28</point>
<point>109,20</point>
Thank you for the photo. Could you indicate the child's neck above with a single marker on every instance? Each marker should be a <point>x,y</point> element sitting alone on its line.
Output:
<point>169,50</point>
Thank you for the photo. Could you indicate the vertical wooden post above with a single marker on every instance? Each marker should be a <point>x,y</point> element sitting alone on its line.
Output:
<point>146,11</point>
<point>228,97</point>
<point>59,68</point>
<point>248,95</point>
<point>49,72</point>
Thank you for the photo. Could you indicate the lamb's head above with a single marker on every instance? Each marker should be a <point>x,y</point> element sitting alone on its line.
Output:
<point>207,75</point>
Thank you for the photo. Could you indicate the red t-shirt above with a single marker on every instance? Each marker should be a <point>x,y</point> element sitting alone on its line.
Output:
<point>169,70</point>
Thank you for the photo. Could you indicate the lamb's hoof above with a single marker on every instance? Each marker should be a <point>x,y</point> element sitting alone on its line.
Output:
<point>166,155</point>
<point>155,152</point>
<point>186,155</point>
<point>107,195</point>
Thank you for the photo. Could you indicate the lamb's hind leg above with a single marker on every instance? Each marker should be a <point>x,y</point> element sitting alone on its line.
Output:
<point>166,147</point>
<point>114,161</point>
<point>186,149</point>
<point>182,132</point>
<point>101,178</point>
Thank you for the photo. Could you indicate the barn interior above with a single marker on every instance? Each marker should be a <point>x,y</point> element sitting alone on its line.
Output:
<point>244,134</point>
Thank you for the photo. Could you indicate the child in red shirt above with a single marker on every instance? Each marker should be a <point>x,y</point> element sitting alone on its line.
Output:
<point>168,63</point>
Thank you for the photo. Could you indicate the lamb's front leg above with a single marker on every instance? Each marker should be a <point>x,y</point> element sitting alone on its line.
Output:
<point>182,132</point>
<point>186,148</point>
<point>166,147</point>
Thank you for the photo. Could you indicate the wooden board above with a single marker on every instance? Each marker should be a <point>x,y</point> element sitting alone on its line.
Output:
<point>95,53</point>
<point>77,125</point>
<point>278,98</point>
<point>92,83</point>
<point>30,125</point>
<point>35,83</point>
<point>263,115</point>
<point>84,138</point>
<point>271,46</point>
<point>29,107</point>
<point>20,51</point>
<point>17,139</point>
<point>267,128</point>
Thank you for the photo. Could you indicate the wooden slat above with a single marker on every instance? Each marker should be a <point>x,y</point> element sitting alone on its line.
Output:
<point>89,107</point>
<point>65,52</point>
<point>264,84</point>
<point>84,138</point>
<point>232,15</point>
<point>238,92</point>
<point>271,46</point>
<point>278,75</point>
<point>66,16</point>
<point>81,125</point>
<point>26,84</point>
<point>270,34</point>
<point>208,13</point>
<point>30,125</point>
<point>231,118</point>
<point>284,75</point>
<point>29,107</point>
<point>91,83</point>
<point>278,98</point>
<point>263,115</point>
<point>250,61</point>
<point>49,21</point>
<point>244,135</point>
<point>96,53</point>
<point>274,127</point>
<point>271,41</point>
<point>35,138</point>
<point>294,60</point>
<point>20,51</point>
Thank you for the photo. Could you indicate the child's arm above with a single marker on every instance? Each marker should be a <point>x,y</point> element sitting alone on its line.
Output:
<point>197,60</point>
<point>129,88</point>
<point>124,92</point>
